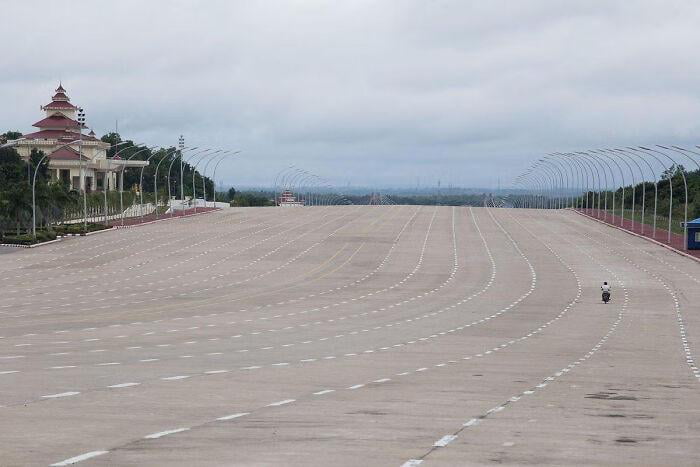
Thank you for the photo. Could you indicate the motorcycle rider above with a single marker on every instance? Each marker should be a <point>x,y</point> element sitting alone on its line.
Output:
<point>606,290</point>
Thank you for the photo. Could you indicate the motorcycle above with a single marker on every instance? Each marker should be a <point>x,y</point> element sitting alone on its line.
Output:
<point>606,297</point>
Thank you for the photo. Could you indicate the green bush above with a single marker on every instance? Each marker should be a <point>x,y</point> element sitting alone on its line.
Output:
<point>25,239</point>
<point>45,236</point>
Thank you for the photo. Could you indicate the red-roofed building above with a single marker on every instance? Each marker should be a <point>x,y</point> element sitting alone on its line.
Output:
<point>60,137</point>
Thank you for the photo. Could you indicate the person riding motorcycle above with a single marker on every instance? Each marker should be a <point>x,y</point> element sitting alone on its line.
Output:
<point>606,291</point>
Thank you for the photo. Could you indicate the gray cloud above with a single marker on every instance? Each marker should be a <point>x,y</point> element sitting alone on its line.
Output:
<point>374,93</point>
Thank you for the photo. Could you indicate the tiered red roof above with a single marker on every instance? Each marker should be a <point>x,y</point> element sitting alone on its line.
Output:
<point>59,105</point>
<point>58,126</point>
<point>60,100</point>
<point>58,134</point>
<point>65,154</point>
<point>57,121</point>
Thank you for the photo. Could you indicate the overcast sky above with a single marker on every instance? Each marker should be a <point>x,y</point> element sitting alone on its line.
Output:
<point>374,93</point>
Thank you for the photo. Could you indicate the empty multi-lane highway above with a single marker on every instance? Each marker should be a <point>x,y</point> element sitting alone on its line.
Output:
<point>353,335</point>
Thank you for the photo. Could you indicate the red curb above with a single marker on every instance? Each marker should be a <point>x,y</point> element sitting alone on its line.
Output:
<point>668,247</point>
<point>168,218</point>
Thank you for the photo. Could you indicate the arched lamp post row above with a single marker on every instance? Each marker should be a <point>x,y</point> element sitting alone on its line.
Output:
<point>516,198</point>
<point>292,179</point>
<point>683,153</point>
<point>301,180</point>
<point>555,161</point>
<point>105,182</point>
<point>36,170</point>
<point>652,152</point>
<point>563,182</point>
<point>580,176</point>
<point>547,185</point>
<point>283,179</point>
<point>522,201</point>
<point>685,185</point>
<point>606,168</point>
<point>534,189</point>
<point>121,178</point>
<point>279,174</point>
<point>587,169</point>
<point>634,184</point>
<point>222,156</point>
<point>547,181</point>
<point>303,183</point>
<point>182,165</point>
<point>634,156</point>
<point>204,174</point>
<point>531,193</point>
<point>528,185</point>
<point>193,165</point>
<point>296,185</point>
<point>624,184</point>
<point>626,157</point>
<point>643,155</point>
<point>558,184</point>
<point>538,188</point>
<point>194,173</point>
<point>216,166</point>
<point>166,152</point>
<point>286,181</point>
<point>155,177</point>
<point>148,159</point>
<point>598,166</point>
<point>312,188</point>
<point>595,175</point>
<point>320,198</point>
<point>179,155</point>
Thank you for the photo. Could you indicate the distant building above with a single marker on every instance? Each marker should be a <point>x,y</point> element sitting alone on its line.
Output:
<point>287,199</point>
<point>60,127</point>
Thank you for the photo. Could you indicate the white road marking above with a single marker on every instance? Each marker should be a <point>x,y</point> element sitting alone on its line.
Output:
<point>444,441</point>
<point>235,415</point>
<point>61,394</point>
<point>160,434</point>
<point>123,385</point>
<point>325,391</point>
<point>82,457</point>
<point>277,404</point>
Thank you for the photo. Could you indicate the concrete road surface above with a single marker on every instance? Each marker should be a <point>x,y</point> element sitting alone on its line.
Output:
<point>353,335</point>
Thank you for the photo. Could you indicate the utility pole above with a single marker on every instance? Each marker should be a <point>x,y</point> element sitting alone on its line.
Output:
<point>81,122</point>
<point>181,146</point>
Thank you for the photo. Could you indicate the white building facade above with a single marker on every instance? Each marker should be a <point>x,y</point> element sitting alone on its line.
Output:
<point>60,136</point>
